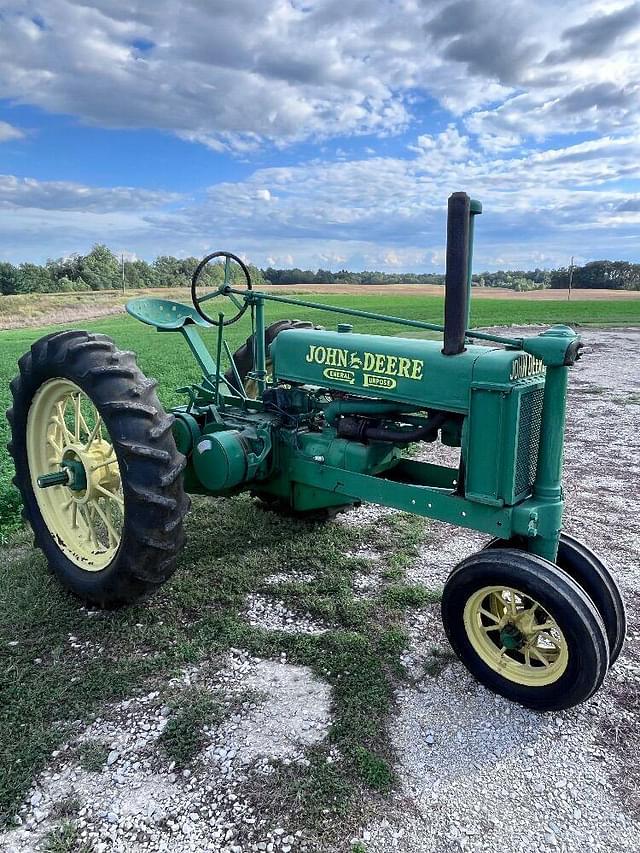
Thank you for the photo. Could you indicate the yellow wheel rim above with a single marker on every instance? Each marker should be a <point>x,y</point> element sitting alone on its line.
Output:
<point>515,636</point>
<point>65,432</point>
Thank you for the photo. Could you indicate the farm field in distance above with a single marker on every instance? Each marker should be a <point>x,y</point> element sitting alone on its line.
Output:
<point>42,308</point>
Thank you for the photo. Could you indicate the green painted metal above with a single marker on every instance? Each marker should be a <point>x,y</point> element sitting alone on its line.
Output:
<point>220,460</point>
<point>510,637</point>
<point>164,314</point>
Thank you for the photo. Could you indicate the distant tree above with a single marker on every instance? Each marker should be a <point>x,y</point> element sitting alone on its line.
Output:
<point>100,269</point>
<point>8,278</point>
<point>139,274</point>
<point>34,279</point>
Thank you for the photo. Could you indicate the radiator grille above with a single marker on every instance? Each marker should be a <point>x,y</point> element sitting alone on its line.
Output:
<point>528,439</point>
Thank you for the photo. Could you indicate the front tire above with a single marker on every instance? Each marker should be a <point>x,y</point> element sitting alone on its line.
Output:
<point>525,629</point>
<point>112,533</point>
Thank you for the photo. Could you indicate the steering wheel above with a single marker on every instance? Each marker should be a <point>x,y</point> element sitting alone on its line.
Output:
<point>241,305</point>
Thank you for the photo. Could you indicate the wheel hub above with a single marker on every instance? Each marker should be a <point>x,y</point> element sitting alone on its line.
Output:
<point>511,638</point>
<point>67,449</point>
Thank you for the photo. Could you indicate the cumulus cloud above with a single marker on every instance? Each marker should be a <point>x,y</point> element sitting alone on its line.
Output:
<point>236,73</point>
<point>597,35</point>
<point>241,76</point>
<point>8,132</point>
<point>64,195</point>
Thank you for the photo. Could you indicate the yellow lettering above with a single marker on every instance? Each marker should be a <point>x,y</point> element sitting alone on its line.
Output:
<point>403,367</point>
<point>342,358</point>
<point>379,365</point>
<point>392,364</point>
<point>369,361</point>
<point>310,354</point>
<point>417,369</point>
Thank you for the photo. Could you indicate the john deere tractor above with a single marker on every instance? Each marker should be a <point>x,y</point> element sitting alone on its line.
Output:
<point>313,421</point>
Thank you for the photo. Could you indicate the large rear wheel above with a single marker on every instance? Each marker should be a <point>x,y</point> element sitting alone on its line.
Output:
<point>525,629</point>
<point>97,468</point>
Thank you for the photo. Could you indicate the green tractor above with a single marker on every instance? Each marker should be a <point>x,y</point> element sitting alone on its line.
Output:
<point>313,421</point>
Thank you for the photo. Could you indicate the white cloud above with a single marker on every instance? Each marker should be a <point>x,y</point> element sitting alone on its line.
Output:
<point>235,73</point>
<point>65,195</point>
<point>9,132</point>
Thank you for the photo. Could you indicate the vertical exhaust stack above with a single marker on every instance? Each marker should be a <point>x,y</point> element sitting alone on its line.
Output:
<point>457,278</point>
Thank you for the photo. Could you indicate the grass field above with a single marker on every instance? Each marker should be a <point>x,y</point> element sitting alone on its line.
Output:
<point>47,681</point>
<point>166,357</point>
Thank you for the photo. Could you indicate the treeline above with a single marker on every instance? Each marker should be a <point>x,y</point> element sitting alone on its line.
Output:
<point>100,269</point>
<point>298,276</point>
<point>612,275</point>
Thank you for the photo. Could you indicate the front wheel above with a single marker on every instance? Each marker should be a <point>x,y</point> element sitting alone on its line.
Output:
<point>525,629</point>
<point>97,468</point>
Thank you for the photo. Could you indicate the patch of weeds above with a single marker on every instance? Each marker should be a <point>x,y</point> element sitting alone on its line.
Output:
<point>319,797</point>
<point>65,839</point>
<point>400,595</point>
<point>92,755</point>
<point>375,771</point>
<point>182,737</point>
<point>437,661</point>
<point>232,547</point>
<point>358,847</point>
<point>66,807</point>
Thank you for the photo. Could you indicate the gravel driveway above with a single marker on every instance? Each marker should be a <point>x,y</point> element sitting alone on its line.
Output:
<point>476,772</point>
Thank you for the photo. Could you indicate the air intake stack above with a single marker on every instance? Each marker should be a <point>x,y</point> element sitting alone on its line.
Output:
<point>461,210</point>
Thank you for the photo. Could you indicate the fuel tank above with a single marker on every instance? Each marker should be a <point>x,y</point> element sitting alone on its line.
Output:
<point>403,370</point>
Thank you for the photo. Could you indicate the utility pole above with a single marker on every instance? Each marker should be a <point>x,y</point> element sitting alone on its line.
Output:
<point>122,259</point>
<point>570,279</point>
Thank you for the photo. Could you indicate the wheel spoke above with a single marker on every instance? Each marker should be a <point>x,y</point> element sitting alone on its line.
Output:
<point>546,626</point>
<point>97,430</point>
<point>76,417</point>
<point>534,650</point>
<point>86,516</point>
<point>502,604</point>
<point>237,302</point>
<point>111,533</point>
<point>110,461</point>
<point>490,615</point>
<point>61,408</point>
<point>111,495</point>
<point>226,270</point>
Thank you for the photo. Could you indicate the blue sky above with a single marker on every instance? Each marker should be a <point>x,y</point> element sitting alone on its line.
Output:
<point>321,133</point>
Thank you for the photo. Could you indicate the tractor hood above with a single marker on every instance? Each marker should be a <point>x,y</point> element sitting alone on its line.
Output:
<point>403,370</point>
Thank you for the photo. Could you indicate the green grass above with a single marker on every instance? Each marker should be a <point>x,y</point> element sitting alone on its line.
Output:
<point>64,839</point>
<point>191,711</point>
<point>92,755</point>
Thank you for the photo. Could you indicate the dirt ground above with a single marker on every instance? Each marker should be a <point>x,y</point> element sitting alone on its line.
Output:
<point>477,773</point>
